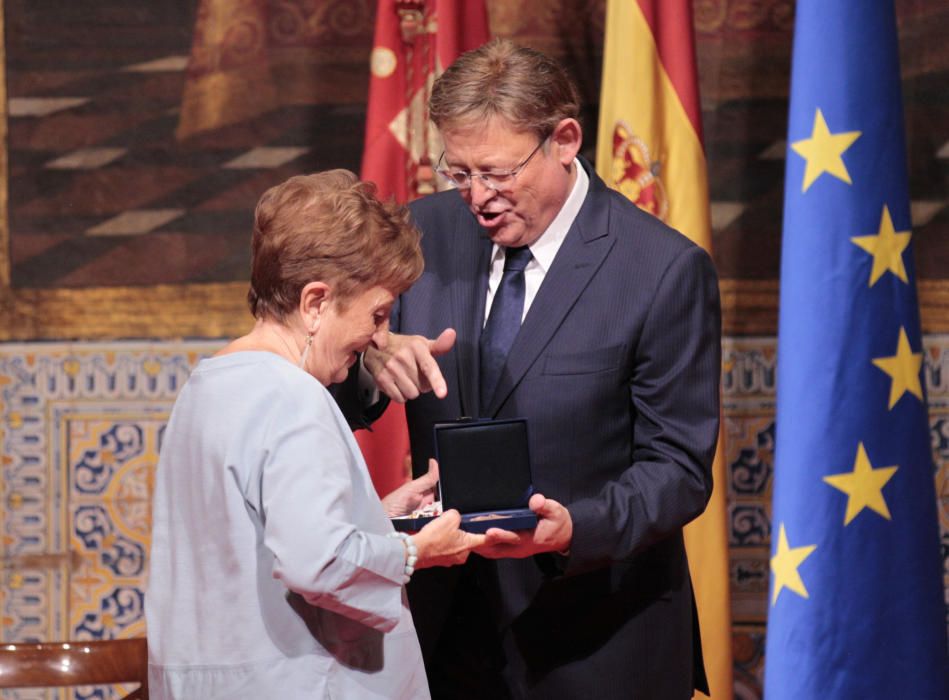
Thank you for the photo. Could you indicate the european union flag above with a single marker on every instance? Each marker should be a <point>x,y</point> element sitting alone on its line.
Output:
<point>856,603</point>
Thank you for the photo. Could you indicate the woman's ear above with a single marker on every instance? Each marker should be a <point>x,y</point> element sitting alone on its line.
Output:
<point>314,299</point>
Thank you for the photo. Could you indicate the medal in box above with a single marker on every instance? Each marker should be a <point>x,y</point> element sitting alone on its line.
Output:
<point>484,473</point>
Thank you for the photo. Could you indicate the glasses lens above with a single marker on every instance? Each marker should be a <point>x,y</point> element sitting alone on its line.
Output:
<point>498,181</point>
<point>458,178</point>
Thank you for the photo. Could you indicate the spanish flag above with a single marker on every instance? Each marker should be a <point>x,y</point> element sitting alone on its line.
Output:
<point>650,149</point>
<point>414,42</point>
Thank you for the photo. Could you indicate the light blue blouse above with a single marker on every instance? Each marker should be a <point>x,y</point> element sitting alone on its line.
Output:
<point>270,573</point>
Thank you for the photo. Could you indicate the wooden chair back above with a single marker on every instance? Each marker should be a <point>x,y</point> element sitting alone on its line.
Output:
<point>60,664</point>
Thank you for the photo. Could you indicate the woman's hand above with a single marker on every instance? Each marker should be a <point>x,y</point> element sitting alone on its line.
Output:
<point>414,494</point>
<point>443,543</point>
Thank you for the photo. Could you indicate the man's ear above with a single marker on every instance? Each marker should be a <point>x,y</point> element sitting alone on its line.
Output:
<point>567,138</point>
<point>314,300</point>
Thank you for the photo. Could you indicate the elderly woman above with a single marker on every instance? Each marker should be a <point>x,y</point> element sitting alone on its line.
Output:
<point>274,570</point>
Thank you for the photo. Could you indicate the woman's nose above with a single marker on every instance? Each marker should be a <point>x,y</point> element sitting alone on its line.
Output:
<point>380,338</point>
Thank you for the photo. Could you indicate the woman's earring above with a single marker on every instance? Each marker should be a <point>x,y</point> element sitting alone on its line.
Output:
<point>306,349</point>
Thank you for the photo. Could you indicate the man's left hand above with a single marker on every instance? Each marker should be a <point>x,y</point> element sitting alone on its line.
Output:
<point>406,367</point>
<point>553,533</point>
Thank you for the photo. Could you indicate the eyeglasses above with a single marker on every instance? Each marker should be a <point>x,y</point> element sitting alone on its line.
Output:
<point>497,180</point>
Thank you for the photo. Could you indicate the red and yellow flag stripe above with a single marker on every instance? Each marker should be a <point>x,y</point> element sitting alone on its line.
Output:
<point>650,149</point>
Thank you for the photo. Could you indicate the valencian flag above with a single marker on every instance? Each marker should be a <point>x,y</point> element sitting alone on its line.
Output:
<point>856,605</point>
<point>414,42</point>
<point>650,149</point>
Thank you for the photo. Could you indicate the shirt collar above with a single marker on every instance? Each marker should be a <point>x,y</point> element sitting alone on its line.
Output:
<point>545,248</point>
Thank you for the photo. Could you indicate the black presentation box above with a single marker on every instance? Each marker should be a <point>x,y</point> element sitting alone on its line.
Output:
<point>484,473</point>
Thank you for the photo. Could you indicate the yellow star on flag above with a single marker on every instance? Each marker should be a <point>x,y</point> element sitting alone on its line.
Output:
<point>863,486</point>
<point>784,565</point>
<point>903,368</point>
<point>886,248</point>
<point>823,152</point>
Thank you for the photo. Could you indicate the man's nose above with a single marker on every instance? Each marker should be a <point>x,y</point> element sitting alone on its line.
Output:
<point>480,192</point>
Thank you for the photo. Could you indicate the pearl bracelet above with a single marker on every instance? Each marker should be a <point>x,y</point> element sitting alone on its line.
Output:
<point>411,554</point>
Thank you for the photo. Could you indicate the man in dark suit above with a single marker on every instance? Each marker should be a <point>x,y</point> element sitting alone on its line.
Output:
<point>615,365</point>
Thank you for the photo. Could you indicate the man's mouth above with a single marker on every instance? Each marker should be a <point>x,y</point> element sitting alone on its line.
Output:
<point>489,218</point>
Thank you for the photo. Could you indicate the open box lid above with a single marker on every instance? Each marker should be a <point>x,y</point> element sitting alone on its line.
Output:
<point>484,473</point>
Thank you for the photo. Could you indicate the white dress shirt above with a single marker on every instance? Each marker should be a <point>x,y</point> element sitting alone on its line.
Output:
<point>544,249</point>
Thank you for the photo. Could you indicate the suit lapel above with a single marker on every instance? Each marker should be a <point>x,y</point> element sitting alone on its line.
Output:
<point>583,251</point>
<point>469,289</point>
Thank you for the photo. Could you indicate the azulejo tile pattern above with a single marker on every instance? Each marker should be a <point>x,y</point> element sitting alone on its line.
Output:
<point>81,427</point>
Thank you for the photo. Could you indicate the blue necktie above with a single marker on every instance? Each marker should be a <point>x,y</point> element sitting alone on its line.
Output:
<point>504,320</point>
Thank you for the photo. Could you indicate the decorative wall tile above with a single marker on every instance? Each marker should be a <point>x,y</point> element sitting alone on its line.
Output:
<point>81,427</point>
<point>748,650</point>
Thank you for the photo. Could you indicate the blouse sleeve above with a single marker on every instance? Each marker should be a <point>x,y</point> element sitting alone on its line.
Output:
<point>306,495</point>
